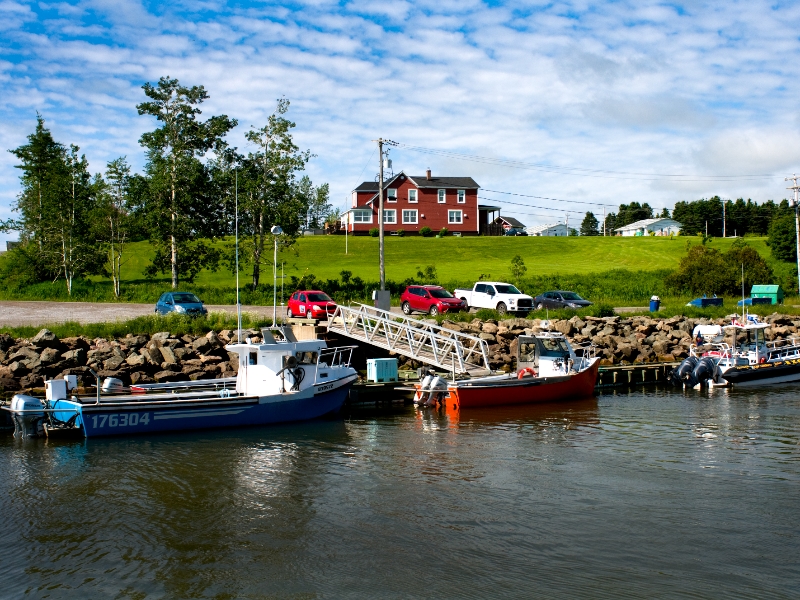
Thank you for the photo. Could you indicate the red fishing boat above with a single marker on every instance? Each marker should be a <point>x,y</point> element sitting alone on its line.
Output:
<point>549,370</point>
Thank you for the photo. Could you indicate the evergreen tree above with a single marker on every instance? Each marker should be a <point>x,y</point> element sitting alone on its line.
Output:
<point>782,239</point>
<point>589,225</point>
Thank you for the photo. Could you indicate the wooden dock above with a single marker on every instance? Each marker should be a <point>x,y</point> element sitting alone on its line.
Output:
<point>630,375</point>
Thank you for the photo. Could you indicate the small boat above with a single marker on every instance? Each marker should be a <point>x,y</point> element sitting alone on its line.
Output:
<point>279,380</point>
<point>743,359</point>
<point>549,370</point>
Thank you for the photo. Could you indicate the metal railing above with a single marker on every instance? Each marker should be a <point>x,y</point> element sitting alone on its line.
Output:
<point>423,342</point>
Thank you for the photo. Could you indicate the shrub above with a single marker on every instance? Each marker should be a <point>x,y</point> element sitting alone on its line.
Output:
<point>443,231</point>
<point>374,232</point>
<point>426,231</point>
<point>602,310</point>
<point>401,232</point>
<point>782,240</point>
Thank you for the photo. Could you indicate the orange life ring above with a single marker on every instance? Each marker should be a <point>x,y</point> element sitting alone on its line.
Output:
<point>526,371</point>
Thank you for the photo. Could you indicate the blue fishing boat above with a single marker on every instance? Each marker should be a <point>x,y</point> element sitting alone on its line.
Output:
<point>280,379</point>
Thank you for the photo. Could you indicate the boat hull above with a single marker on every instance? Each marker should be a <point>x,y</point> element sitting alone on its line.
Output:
<point>782,371</point>
<point>524,391</point>
<point>185,415</point>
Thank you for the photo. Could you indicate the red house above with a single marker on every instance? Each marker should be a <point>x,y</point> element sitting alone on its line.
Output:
<point>411,202</point>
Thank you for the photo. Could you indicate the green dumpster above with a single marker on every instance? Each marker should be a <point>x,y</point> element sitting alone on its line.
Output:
<point>773,292</point>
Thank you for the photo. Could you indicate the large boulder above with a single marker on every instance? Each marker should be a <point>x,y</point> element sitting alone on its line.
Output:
<point>6,341</point>
<point>170,376</point>
<point>46,339</point>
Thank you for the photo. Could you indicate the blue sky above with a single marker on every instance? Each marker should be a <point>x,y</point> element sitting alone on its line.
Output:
<point>606,98</point>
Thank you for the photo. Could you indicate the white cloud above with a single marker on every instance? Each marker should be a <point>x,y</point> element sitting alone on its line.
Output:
<point>636,87</point>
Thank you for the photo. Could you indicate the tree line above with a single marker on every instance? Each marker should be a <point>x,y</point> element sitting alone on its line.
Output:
<point>72,224</point>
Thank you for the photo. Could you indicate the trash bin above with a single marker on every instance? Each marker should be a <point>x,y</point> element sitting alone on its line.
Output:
<point>655,303</point>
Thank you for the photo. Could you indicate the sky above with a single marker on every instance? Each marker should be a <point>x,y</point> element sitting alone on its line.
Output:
<point>572,106</point>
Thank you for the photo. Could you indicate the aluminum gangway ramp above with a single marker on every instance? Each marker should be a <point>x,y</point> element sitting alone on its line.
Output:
<point>424,342</point>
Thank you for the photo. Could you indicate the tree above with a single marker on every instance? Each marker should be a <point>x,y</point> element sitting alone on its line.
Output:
<point>178,207</point>
<point>518,268</point>
<point>317,199</point>
<point>112,222</point>
<point>270,194</point>
<point>664,213</point>
<point>706,270</point>
<point>782,239</point>
<point>55,208</point>
<point>589,225</point>
<point>630,213</point>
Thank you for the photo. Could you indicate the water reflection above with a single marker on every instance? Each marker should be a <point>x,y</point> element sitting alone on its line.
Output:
<point>642,493</point>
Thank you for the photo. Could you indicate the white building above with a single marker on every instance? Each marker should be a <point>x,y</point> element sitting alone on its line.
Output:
<point>662,226</point>
<point>556,229</point>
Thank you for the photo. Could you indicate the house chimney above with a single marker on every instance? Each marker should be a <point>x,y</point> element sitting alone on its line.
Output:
<point>428,174</point>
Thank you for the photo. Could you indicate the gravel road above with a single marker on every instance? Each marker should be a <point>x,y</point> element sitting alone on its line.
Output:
<point>17,314</point>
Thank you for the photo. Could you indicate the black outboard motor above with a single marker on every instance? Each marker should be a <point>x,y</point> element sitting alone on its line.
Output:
<point>706,369</point>
<point>682,375</point>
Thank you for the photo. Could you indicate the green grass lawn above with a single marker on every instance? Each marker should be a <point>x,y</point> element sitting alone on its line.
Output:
<point>460,259</point>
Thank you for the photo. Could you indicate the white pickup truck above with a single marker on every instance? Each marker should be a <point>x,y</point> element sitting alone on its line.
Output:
<point>494,294</point>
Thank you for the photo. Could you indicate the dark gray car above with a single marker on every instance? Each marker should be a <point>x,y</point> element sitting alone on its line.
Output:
<point>560,299</point>
<point>182,303</point>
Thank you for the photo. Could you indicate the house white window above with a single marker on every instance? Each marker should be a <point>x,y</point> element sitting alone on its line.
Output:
<point>362,216</point>
<point>410,217</point>
<point>389,216</point>
<point>441,196</point>
<point>462,196</point>
<point>412,196</point>
<point>454,217</point>
<point>391,195</point>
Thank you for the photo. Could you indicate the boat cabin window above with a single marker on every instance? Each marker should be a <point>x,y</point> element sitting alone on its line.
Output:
<point>253,358</point>
<point>527,351</point>
<point>755,336</point>
<point>553,346</point>
<point>306,358</point>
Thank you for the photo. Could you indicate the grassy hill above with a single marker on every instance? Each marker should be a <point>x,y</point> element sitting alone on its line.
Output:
<point>461,259</point>
<point>618,271</point>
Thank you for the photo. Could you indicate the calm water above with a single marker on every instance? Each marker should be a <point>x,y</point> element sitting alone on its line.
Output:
<point>642,494</point>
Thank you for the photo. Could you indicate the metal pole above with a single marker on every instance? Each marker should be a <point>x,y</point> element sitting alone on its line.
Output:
<point>238,303</point>
<point>275,283</point>
<point>723,218</point>
<point>380,212</point>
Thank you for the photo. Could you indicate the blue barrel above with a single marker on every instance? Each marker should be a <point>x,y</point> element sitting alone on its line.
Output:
<point>655,305</point>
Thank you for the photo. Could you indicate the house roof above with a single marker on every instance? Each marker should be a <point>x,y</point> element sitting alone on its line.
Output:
<point>511,221</point>
<point>646,223</point>
<point>461,183</point>
<point>540,228</point>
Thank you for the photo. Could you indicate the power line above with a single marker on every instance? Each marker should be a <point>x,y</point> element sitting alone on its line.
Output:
<point>561,210</point>
<point>601,173</point>
<point>546,198</point>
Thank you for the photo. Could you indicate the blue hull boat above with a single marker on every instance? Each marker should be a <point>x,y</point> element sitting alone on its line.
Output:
<point>279,381</point>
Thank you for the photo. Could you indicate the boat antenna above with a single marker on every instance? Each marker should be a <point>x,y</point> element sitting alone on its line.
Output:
<point>238,304</point>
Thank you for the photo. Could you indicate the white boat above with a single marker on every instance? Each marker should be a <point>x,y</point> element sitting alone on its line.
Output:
<point>279,380</point>
<point>740,355</point>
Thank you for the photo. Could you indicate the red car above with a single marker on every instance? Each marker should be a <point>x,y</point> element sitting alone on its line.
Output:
<point>312,304</point>
<point>432,299</point>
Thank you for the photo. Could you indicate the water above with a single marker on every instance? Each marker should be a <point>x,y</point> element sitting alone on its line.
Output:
<point>641,494</point>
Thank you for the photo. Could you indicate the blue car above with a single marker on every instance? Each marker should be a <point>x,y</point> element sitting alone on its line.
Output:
<point>182,303</point>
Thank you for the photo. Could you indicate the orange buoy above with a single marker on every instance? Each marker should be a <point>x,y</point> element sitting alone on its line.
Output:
<point>526,371</point>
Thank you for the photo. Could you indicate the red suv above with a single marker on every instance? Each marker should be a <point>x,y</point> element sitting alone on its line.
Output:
<point>313,304</point>
<point>432,299</point>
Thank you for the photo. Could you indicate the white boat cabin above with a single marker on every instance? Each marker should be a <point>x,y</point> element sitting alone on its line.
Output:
<point>285,365</point>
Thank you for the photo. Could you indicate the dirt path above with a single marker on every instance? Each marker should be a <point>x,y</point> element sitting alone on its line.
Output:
<point>17,314</point>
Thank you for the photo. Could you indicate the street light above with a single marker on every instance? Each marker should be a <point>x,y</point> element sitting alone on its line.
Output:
<point>276,231</point>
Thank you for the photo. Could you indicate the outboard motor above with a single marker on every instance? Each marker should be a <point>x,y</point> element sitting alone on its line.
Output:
<point>28,416</point>
<point>112,384</point>
<point>706,369</point>
<point>424,387</point>
<point>432,390</point>
<point>682,375</point>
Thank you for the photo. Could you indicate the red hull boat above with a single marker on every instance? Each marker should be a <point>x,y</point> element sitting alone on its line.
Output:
<point>491,391</point>
<point>549,371</point>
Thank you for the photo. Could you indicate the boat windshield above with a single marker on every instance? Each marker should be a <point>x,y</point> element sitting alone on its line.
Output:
<point>570,296</point>
<point>320,297</point>
<point>185,298</point>
<point>506,289</point>
<point>553,346</point>
<point>440,293</point>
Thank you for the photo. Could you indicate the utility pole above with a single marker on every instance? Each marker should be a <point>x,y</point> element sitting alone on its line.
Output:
<point>796,188</point>
<point>604,221</point>
<point>380,213</point>
<point>723,218</point>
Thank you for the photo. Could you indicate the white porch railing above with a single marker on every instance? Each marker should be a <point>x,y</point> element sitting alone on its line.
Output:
<point>424,342</point>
